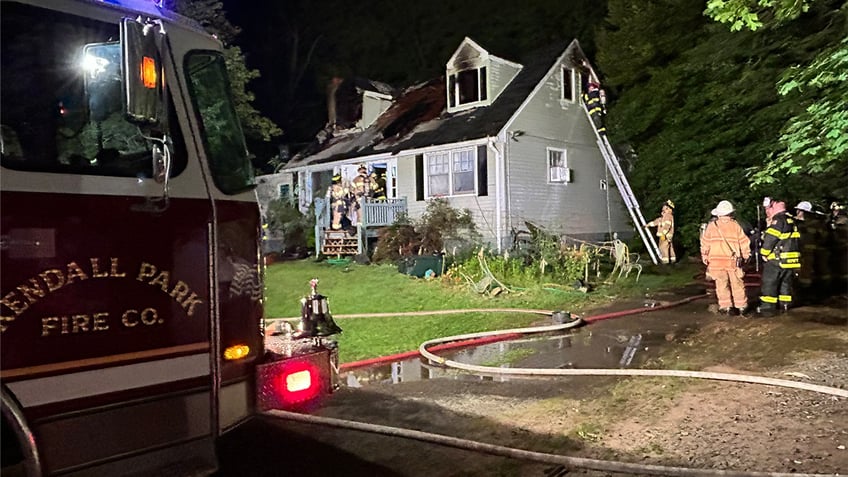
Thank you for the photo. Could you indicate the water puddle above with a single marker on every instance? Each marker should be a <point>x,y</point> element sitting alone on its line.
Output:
<point>600,345</point>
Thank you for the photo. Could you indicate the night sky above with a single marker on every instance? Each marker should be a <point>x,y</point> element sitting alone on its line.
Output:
<point>399,42</point>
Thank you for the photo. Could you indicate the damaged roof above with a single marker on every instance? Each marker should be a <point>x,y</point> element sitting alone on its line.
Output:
<point>418,118</point>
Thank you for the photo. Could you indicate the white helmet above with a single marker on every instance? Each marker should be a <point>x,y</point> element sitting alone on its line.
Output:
<point>805,206</point>
<point>723,208</point>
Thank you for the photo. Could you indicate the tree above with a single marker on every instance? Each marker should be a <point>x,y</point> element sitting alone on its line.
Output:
<point>813,142</point>
<point>697,103</point>
<point>210,14</point>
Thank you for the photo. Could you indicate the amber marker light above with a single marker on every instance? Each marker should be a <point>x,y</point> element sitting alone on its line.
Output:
<point>148,72</point>
<point>236,352</point>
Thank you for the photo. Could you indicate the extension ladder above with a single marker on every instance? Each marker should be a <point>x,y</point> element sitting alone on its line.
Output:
<point>624,189</point>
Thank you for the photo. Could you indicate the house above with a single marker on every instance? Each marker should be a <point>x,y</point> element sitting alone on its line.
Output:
<point>509,141</point>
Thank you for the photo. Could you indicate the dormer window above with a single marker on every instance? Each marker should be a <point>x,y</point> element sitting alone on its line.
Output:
<point>467,87</point>
<point>570,81</point>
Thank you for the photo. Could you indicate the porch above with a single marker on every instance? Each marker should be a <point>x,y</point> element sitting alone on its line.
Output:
<point>374,215</point>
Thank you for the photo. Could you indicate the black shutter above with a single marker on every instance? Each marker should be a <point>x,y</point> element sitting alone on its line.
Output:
<point>419,177</point>
<point>482,175</point>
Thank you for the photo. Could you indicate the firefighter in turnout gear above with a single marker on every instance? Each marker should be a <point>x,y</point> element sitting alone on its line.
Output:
<point>814,275</point>
<point>339,197</point>
<point>595,105</point>
<point>837,225</point>
<point>665,231</point>
<point>781,258</point>
<point>378,185</point>
<point>361,186</point>
<point>723,244</point>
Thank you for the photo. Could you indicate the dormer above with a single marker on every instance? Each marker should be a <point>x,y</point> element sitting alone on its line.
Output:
<point>475,78</point>
<point>373,105</point>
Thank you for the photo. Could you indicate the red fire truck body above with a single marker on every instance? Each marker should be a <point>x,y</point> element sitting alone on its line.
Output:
<point>131,286</point>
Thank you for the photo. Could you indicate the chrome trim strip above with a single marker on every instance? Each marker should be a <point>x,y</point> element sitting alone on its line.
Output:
<point>113,359</point>
<point>35,392</point>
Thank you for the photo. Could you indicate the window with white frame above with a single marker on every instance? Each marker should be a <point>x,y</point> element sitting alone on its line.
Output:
<point>467,87</point>
<point>451,172</point>
<point>557,166</point>
<point>570,80</point>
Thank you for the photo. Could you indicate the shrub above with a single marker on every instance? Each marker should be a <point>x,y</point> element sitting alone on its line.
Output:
<point>441,226</point>
<point>287,223</point>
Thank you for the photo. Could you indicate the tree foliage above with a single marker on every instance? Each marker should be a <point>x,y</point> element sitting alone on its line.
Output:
<point>211,15</point>
<point>814,141</point>
<point>699,104</point>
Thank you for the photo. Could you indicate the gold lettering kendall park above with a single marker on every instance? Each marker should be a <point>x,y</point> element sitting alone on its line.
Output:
<point>17,301</point>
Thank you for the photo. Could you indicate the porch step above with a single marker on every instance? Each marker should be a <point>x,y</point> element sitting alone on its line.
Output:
<point>339,242</point>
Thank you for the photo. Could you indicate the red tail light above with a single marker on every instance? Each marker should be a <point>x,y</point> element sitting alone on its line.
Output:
<point>293,382</point>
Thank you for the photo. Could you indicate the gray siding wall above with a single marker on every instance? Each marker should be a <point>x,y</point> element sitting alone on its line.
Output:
<point>578,208</point>
<point>500,74</point>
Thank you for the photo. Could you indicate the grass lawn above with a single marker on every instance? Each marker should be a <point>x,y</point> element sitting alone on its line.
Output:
<point>381,289</point>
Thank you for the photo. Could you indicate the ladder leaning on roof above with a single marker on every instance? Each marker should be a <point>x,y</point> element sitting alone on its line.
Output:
<point>626,192</point>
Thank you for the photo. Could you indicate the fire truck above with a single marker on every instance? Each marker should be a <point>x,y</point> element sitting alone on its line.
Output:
<point>131,292</point>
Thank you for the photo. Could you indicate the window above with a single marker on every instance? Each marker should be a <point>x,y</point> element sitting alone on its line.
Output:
<point>285,192</point>
<point>62,115</point>
<point>570,80</point>
<point>557,170</point>
<point>467,87</point>
<point>438,174</point>
<point>451,173</point>
<point>222,135</point>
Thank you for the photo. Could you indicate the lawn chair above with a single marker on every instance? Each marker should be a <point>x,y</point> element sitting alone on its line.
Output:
<point>625,262</point>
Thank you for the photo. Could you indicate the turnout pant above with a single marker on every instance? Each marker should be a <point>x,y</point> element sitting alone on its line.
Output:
<point>730,289</point>
<point>776,286</point>
<point>666,250</point>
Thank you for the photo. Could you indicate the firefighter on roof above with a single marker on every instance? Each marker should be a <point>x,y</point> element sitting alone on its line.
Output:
<point>781,257</point>
<point>665,231</point>
<point>595,106</point>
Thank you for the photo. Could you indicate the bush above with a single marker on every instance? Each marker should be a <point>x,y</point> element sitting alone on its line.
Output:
<point>439,227</point>
<point>285,222</point>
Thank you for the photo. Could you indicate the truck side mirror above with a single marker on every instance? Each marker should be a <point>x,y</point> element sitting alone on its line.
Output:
<point>144,78</point>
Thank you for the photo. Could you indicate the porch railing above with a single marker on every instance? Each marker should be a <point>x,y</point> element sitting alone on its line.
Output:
<point>374,213</point>
<point>377,213</point>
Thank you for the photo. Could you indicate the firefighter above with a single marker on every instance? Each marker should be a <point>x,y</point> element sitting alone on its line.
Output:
<point>837,226</point>
<point>378,185</point>
<point>361,189</point>
<point>722,243</point>
<point>339,197</point>
<point>665,231</point>
<point>594,104</point>
<point>781,257</point>
<point>813,276</point>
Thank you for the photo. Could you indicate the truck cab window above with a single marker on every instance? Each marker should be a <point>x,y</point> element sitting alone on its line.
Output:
<point>221,131</point>
<point>62,99</point>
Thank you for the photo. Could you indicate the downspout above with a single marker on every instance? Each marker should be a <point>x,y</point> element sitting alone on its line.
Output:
<point>493,145</point>
<point>505,138</point>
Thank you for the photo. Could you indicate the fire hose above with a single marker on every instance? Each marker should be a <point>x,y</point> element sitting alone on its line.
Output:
<point>569,462</point>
